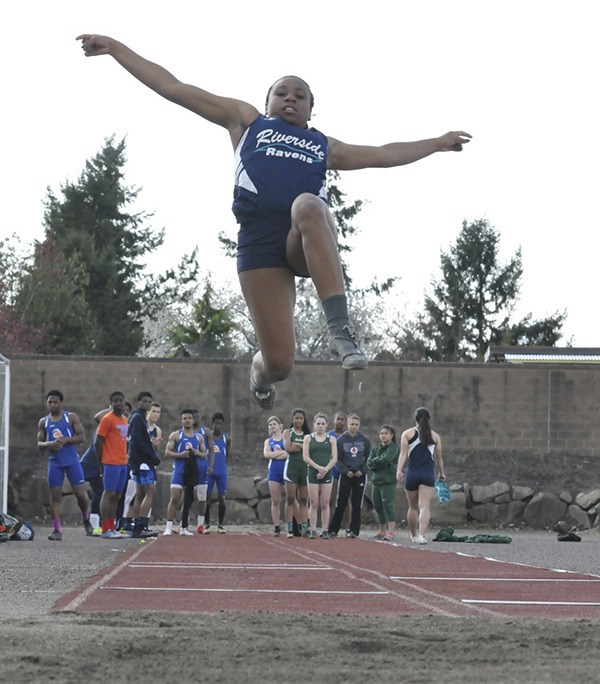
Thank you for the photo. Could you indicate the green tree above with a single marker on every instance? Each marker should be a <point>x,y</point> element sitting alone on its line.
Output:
<point>208,332</point>
<point>92,228</point>
<point>470,306</point>
<point>51,299</point>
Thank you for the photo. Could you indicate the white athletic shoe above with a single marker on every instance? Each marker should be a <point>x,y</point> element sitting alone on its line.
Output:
<point>414,539</point>
<point>421,539</point>
<point>184,532</point>
<point>167,533</point>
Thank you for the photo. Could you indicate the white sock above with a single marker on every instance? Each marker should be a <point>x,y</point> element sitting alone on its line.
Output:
<point>169,527</point>
<point>200,520</point>
<point>95,520</point>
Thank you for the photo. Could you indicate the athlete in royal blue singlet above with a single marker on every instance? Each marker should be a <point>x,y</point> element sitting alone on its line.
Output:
<point>286,228</point>
<point>59,433</point>
<point>184,447</point>
<point>218,471</point>
<point>274,450</point>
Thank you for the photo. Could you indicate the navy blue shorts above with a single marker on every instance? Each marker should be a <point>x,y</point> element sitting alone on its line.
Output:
<point>262,244</point>
<point>419,476</point>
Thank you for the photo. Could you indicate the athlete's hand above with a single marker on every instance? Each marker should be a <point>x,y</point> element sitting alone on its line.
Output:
<point>93,44</point>
<point>400,476</point>
<point>453,141</point>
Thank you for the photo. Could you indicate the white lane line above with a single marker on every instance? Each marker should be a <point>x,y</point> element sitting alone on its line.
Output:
<point>250,591</point>
<point>493,579</point>
<point>229,566</point>
<point>426,600</point>
<point>80,598</point>
<point>532,603</point>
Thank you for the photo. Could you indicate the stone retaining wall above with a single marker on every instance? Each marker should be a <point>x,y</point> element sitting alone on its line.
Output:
<point>248,501</point>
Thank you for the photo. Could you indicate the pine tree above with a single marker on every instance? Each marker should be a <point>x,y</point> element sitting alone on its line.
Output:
<point>103,246</point>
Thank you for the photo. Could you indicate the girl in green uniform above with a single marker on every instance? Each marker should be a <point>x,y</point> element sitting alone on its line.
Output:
<point>296,490</point>
<point>382,464</point>
<point>319,452</point>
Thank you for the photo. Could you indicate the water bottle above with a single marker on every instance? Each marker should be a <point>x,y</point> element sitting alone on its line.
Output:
<point>443,492</point>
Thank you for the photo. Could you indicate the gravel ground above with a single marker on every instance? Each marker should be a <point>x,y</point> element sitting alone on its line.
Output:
<point>38,645</point>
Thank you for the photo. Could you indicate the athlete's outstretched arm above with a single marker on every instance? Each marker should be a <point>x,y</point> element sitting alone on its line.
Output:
<point>344,157</point>
<point>234,115</point>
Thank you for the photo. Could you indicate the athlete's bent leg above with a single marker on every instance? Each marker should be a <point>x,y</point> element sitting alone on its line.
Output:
<point>311,249</point>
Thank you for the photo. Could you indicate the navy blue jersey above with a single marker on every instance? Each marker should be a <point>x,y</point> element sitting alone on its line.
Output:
<point>419,454</point>
<point>275,162</point>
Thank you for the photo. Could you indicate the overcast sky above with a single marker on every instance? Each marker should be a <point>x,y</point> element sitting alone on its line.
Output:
<point>520,76</point>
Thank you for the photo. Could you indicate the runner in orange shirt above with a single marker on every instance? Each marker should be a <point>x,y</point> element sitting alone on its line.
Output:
<point>111,449</point>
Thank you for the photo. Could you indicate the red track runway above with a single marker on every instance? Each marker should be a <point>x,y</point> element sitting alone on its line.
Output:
<point>252,572</point>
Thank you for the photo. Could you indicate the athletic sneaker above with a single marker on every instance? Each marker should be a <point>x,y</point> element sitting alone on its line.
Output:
<point>55,535</point>
<point>421,539</point>
<point>184,532</point>
<point>264,397</point>
<point>142,533</point>
<point>312,534</point>
<point>333,534</point>
<point>111,534</point>
<point>167,533</point>
<point>379,536</point>
<point>97,532</point>
<point>88,527</point>
<point>388,536</point>
<point>290,530</point>
<point>221,529</point>
<point>203,530</point>
<point>344,344</point>
<point>414,539</point>
<point>325,535</point>
<point>352,535</point>
<point>277,531</point>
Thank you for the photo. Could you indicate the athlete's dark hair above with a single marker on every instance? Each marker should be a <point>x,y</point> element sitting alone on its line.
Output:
<point>116,393</point>
<point>216,415</point>
<point>129,406</point>
<point>187,410</point>
<point>312,97</point>
<point>305,428</point>
<point>422,419</point>
<point>389,428</point>
<point>55,393</point>
<point>141,395</point>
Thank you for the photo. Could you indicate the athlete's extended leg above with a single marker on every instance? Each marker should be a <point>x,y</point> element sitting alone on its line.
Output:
<point>270,294</point>
<point>312,249</point>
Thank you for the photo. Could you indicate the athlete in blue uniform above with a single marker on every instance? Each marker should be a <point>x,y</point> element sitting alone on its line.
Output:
<point>286,228</point>
<point>217,473</point>
<point>59,433</point>
<point>274,450</point>
<point>197,483</point>
<point>422,447</point>
<point>184,446</point>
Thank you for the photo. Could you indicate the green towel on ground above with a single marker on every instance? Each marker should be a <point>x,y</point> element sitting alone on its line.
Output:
<point>447,534</point>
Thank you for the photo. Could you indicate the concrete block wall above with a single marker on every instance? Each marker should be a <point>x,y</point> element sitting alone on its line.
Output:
<point>535,409</point>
